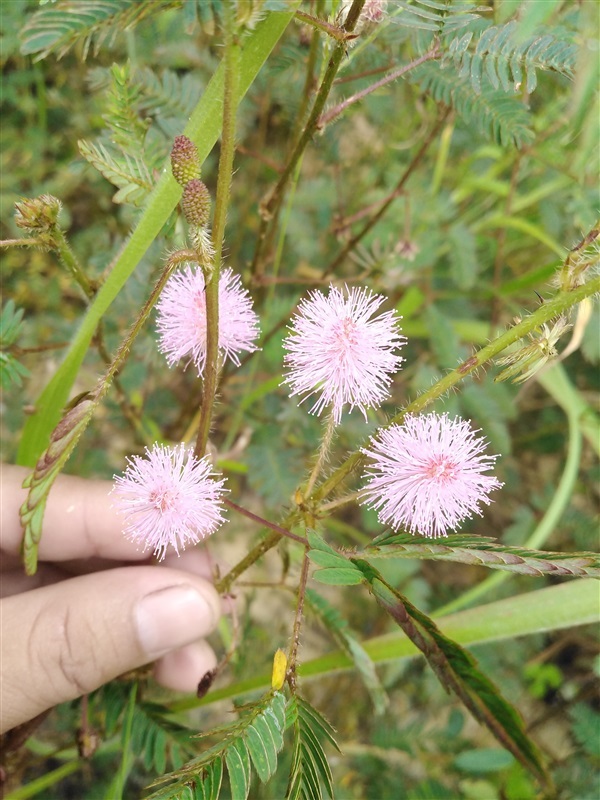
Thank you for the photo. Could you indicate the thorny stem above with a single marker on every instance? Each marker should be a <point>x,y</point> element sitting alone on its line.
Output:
<point>293,656</point>
<point>334,112</point>
<point>546,312</point>
<point>351,244</point>
<point>272,206</point>
<point>230,95</point>
<point>323,454</point>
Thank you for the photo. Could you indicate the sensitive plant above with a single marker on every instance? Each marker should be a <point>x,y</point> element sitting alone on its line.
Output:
<point>426,472</point>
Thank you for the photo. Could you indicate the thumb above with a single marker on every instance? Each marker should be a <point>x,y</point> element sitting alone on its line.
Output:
<point>61,641</point>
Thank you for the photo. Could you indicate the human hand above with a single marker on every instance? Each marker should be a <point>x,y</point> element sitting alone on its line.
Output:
<point>84,617</point>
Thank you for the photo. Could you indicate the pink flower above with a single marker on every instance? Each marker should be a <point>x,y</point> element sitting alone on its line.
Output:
<point>427,476</point>
<point>169,497</point>
<point>182,318</point>
<point>336,350</point>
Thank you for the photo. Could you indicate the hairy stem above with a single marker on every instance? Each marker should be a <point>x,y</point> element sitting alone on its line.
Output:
<point>334,112</point>
<point>230,100</point>
<point>68,259</point>
<point>293,656</point>
<point>323,454</point>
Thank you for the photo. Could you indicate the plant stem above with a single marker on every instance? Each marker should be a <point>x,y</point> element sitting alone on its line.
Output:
<point>337,33</point>
<point>270,209</point>
<point>223,586</point>
<point>68,259</point>
<point>334,112</point>
<point>549,310</point>
<point>264,522</point>
<point>230,100</point>
<point>293,656</point>
<point>323,454</point>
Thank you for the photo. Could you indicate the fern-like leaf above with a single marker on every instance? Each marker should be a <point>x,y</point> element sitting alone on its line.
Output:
<point>128,131</point>
<point>12,371</point>
<point>129,173</point>
<point>58,28</point>
<point>439,16</point>
<point>458,671</point>
<point>253,742</point>
<point>504,58</point>
<point>159,740</point>
<point>501,117</point>
<point>310,770</point>
<point>485,552</point>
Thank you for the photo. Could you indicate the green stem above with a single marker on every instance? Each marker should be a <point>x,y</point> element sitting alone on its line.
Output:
<point>293,655</point>
<point>230,101</point>
<point>337,33</point>
<point>68,259</point>
<point>549,310</point>
<point>334,112</point>
<point>323,454</point>
<point>224,585</point>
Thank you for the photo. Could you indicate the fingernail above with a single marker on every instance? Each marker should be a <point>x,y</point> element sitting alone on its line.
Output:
<point>171,618</point>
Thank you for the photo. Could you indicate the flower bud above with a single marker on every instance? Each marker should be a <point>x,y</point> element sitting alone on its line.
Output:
<point>185,160</point>
<point>38,214</point>
<point>196,203</point>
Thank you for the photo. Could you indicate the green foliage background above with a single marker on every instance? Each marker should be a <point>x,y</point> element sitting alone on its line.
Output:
<point>507,186</point>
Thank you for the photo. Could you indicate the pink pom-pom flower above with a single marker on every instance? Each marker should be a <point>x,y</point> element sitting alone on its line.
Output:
<point>427,475</point>
<point>181,320</point>
<point>169,497</point>
<point>339,351</point>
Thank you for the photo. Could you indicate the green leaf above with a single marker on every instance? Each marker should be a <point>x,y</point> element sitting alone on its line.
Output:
<point>457,670</point>
<point>500,117</point>
<point>485,759</point>
<point>260,753</point>
<point>59,28</point>
<point>310,771</point>
<point>341,576</point>
<point>130,174</point>
<point>502,47</point>
<point>239,769</point>
<point>439,17</point>
<point>324,559</point>
<point>203,128</point>
<point>254,740</point>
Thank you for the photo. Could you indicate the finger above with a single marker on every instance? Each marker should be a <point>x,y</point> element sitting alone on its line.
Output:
<point>61,641</point>
<point>79,519</point>
<point>183,669</point>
